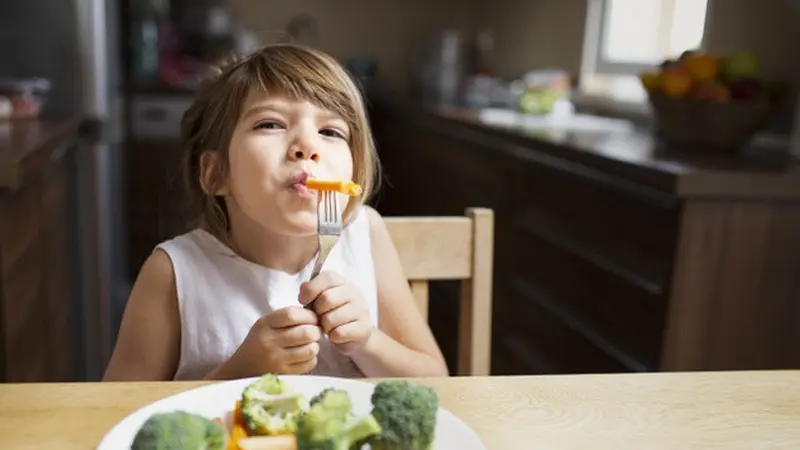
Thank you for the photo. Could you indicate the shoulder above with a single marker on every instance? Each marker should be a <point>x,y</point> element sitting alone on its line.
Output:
<point>374,218</point>
<point>158,274</point>
<point>148,341</point>
<point>378,232</point>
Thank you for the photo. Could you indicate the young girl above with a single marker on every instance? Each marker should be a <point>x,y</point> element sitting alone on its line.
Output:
<point>226,300</point>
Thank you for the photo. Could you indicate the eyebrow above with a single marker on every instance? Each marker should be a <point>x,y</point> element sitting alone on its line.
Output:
<point>263,107</point>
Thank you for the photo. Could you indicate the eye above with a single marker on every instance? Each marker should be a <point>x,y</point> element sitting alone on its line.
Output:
<point>332,132</point>
<point>268,125</point>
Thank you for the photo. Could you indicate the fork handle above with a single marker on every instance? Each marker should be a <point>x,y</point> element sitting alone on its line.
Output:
<point>323,255</point>
<point>325,247</point>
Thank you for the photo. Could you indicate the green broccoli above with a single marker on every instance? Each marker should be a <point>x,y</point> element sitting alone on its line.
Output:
<point>320,395</point>
<point>179,431</point>
<point>407,415</point>
<point>269,407</point>
<point>331,425</point>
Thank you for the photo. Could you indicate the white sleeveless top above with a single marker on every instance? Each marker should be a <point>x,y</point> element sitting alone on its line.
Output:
<point>221,295</point>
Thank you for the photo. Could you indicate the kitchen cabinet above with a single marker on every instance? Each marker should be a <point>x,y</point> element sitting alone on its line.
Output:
<point>39,307</point>
<point>612,253</point>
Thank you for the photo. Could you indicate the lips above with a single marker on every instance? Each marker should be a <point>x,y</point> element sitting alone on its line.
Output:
<point>298,185</point>
<point>299,179</point>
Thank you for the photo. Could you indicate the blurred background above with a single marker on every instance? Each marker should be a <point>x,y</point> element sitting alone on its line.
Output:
<point>647,198</point>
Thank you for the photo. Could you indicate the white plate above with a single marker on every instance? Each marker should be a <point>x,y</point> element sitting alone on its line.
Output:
<point>217,400</point>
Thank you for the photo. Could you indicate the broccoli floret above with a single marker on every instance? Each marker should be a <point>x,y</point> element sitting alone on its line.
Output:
<point>179,431</point>
<point>320,395</point>
<point>269,407</point>
<point>331,425</point>
<point>407,415</point>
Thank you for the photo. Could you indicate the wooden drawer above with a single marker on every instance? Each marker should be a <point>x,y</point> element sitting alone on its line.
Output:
<point>621,314</point>
<point>627,237</point>
<point>536,341</point>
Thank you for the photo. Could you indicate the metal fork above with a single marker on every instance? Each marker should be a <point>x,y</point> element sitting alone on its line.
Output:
<point>329,226</point>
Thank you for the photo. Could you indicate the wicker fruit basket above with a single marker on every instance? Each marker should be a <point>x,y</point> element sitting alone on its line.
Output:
<point>707,102</point>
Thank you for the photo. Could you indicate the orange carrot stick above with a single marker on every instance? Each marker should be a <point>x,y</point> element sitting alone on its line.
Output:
<point>345,187</point>
<point>237,434</point>
<point>237,413</point>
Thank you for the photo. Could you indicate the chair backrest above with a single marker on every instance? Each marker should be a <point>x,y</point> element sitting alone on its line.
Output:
<point>453,248</point>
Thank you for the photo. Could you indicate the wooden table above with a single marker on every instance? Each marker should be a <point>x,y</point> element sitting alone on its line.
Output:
<point>730,410</point>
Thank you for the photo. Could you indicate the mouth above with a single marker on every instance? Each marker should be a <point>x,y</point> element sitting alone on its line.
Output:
<point>298,185</point>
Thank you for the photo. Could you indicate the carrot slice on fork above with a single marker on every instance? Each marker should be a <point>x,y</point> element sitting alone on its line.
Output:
<point>345,187</point>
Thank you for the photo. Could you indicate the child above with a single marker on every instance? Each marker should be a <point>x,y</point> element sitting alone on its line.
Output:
<point>226,300</point>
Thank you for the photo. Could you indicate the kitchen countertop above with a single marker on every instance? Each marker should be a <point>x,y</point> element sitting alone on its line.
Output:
<point>624,153</point>
<point>653,411</point>
<point>27,145</point>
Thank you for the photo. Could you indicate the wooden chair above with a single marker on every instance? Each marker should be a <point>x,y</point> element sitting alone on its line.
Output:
<point>453,248</point>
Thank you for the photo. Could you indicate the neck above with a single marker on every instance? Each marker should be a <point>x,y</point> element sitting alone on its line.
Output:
<point>256,244</point>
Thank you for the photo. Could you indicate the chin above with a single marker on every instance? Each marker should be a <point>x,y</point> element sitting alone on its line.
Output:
<point>300,224</point>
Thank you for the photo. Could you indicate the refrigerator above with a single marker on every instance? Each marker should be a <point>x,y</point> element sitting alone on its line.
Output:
<point>76,45</point>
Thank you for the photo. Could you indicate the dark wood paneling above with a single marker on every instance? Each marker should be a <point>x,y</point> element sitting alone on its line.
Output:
<point>37,295</point>
<point>736,291</point>
<point>154,197</point>
<point>596,271</point>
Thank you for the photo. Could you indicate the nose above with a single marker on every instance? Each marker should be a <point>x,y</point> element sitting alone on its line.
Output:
<point>300,151</point>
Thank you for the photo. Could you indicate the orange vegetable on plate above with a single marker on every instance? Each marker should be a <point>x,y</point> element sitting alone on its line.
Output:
<point>238,433</point>
<point>345,187</point>
<point>237,413</point>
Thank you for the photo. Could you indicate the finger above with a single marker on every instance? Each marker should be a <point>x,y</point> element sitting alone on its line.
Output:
<point>346,332</point>
<point>303,367</point>
<point>310,290</point>
<point>331,299</point>
<point>336,317</point>
<point>299,335</point>
<point>291,316</point>
<point>301,354</point>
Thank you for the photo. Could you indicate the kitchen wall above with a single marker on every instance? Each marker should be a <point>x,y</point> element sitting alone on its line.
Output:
<point>385,30</point>
<point>532,34</point>
<point>529,34</point>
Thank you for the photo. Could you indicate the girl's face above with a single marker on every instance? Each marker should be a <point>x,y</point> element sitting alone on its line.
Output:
<point>276,144</point>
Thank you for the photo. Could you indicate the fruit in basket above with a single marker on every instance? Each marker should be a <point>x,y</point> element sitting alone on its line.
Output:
<point>675,81</point>
<point>650,80</point>
<point>706,76</point>
<point>745,88</point>
<point>702,67</point>
<point>714,91</point>
<point>740,65</point>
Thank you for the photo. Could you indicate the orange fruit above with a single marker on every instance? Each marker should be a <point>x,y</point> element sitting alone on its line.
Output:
<point>711,91</point>
<point>649,80</point>
<point>702,66</point>
<point>675,81</point>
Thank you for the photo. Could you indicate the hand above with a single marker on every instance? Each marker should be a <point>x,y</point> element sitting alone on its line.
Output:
<point>284,341</point>
<point>343,312</point>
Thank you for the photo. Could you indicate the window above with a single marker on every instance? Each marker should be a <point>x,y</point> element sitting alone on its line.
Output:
<point>625,37</point>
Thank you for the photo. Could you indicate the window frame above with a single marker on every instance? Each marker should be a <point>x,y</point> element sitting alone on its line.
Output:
<point>597,18</point>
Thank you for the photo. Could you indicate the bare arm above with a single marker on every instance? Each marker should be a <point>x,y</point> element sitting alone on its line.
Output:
<point>148,343</point>
<point>404,346</point>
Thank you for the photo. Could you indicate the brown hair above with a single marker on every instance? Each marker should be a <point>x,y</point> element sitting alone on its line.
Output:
<point>296,71</point>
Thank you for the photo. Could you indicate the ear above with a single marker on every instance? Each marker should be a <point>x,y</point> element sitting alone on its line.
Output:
<point>211,179</point>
